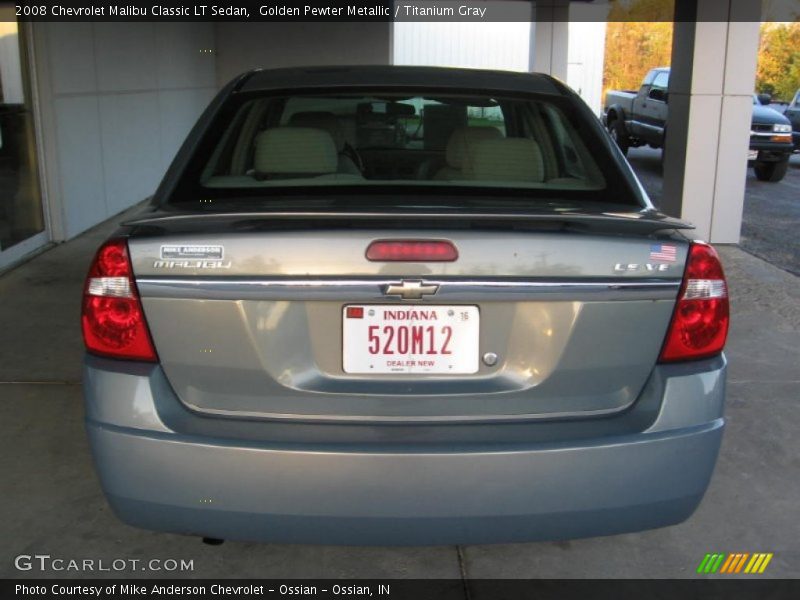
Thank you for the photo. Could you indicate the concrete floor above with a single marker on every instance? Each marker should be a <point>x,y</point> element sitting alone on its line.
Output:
<point>52,504</point>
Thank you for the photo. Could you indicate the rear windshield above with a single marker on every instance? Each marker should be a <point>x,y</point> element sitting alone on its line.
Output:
<point>268,146</point>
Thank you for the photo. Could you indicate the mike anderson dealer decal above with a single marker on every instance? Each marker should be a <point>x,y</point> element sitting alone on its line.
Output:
<point>192,256</point>
<point>197,251</point>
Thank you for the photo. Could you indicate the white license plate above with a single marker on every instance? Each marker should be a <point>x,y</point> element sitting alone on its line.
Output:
<point>398,338</point>
<point>752,154</point>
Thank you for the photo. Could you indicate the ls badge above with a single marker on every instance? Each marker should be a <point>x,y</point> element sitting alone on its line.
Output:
<point>631,267</point>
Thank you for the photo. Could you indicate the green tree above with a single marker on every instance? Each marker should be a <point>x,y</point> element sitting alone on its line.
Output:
<point>638,38</point>
<point>778,71</point>
<point>641,10</point>
<point>632,49</point>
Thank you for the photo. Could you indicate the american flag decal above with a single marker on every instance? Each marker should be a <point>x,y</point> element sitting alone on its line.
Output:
<point>663,252</point>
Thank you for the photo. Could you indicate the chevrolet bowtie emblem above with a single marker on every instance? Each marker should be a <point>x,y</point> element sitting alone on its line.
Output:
<point>411,290</point>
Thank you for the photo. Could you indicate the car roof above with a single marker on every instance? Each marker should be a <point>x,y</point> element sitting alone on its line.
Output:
<point>383,76</point>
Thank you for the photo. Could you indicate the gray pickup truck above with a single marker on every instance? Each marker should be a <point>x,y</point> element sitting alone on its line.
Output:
<point>640,118</point>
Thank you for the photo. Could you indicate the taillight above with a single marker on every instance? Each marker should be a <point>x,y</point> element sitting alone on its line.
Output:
<point>699,324</point>
<point>112,318</point>
<point>412,251</point>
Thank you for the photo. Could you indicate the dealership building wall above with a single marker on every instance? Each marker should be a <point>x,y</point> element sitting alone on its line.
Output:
<point>243,46</point>
<point>115,102</point>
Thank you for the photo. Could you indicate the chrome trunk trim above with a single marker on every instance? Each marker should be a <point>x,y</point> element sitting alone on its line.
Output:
<point>373,290</point>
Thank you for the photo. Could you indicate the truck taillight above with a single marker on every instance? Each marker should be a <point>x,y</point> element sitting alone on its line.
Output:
<point>700,321</point>
<point>112,317</point>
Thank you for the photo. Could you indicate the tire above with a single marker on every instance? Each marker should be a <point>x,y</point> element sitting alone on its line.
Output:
<point>771,171</point>
<point>616,128</point>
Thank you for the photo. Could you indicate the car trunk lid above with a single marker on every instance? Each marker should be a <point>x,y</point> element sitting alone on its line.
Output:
<point>248,312</point>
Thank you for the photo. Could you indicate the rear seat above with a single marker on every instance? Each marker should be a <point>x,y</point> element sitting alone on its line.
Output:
<point>459,148</point>
<point>327,121</point>
<point>507,159</point>
<point>294,152</point>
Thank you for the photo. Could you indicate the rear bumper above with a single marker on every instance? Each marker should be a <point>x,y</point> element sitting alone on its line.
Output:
<point>186,482</point>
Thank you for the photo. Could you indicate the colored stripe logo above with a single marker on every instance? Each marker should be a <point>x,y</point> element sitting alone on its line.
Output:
<point>734,563</point>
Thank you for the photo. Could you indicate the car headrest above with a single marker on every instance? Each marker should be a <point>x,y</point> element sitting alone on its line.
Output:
<point>508,159</point>
<point>463,139</point>
<point>326,121</point>
<point>295,151</point>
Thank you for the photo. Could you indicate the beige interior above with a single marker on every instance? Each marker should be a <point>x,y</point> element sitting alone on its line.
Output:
<point>295,151</point>
<point>460,146</point>
<point>507,159</point>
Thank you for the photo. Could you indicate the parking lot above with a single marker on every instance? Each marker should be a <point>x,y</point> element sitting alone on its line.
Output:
<point>52,503</point>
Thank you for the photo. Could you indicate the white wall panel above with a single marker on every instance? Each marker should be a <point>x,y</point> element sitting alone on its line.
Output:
<point>505,46</point>
<point>125,54</point>
<point>185,55</point>
<point>587,46</point>
<point>71,48</point>
<point>476,45</point>
<point>121,98</point>
<point>243,46</point>
<point>130,139</point>
<point>178,111</point>
<point>80,162</point>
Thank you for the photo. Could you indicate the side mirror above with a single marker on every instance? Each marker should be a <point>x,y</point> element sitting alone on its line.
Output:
<point>764,99</point>
<point>658,94</point>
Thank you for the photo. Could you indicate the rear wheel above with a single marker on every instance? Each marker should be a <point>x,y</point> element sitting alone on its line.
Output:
<point>771,171</point>
<point>617,130</point>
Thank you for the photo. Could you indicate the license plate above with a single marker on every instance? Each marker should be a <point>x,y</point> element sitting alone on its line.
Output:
<point>396,338</point>
<point>752,154</point>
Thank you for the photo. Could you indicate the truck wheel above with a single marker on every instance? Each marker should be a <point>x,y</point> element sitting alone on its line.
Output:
<point>617,130</point>
<point>771,171</point>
